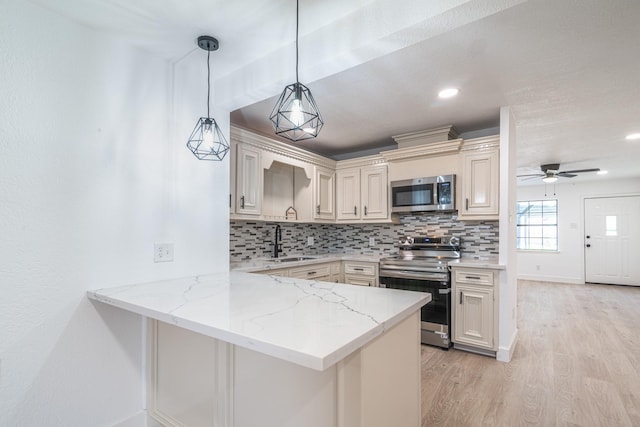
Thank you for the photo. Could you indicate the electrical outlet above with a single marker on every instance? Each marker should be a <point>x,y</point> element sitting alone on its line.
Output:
<point>163,252</point>
<point>372,241</point>
<point>537,267</point>
<point>310,241</point>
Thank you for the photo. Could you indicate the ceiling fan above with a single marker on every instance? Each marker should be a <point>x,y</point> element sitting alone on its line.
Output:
<point>551,172</point>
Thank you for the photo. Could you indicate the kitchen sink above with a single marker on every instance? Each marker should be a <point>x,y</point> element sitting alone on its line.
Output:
<point>292,259</point>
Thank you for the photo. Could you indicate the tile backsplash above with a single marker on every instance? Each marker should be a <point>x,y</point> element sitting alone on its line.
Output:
<point>254,239</point>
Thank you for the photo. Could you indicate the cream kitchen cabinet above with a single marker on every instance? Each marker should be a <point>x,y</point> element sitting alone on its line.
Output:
<point>362,193</point>
<point>248,180</point>
<point>322,271</point>
<point>474,308</point>
<point>480,184</point>
<point>324,193</point>
<point>361,273</point>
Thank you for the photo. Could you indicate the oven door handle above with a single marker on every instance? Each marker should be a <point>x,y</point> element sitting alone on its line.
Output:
<point>444,291</point>
<point>412,275</point>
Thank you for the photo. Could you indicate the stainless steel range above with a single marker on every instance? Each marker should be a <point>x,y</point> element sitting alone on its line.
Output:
<point>421,265</point>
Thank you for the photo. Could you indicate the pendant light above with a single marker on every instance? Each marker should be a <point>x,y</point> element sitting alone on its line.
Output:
<point>207,141</point>
<point>295,116</point>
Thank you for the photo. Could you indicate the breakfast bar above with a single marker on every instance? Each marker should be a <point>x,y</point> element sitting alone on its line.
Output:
<point>242,349</point>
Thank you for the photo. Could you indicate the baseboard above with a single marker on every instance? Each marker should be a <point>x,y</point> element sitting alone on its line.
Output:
<point>505,354</point>
<point>140,419</point>
<point>558,279</point>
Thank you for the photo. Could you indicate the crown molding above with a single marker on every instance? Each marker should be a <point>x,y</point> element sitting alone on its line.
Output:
<point>429,136</point>
<point>359,162</point>
<point>482,143</point>
<point>264,143</point>
<point>451,146</point>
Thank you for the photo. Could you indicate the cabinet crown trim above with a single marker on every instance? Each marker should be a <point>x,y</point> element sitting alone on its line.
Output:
<point>267,144</point>
<point>485,142</point>
<point>427,150</point>
<point>376,160</point>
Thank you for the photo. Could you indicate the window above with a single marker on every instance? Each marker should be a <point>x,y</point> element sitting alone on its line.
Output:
<point>538,225</point>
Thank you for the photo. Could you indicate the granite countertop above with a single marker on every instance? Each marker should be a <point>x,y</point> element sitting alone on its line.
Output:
<point>310,323</point>
<point>261,264</point>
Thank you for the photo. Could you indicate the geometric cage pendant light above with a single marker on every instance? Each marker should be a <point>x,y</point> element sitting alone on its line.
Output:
<point>296,116</point>
<point>207,141</point>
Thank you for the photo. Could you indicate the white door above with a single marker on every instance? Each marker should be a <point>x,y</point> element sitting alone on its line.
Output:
<point>612,240</point>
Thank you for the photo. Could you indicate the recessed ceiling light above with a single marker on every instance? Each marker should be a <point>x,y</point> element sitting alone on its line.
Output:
<point>448,93</point>
<point>633,136</point>
<point>603,172</point>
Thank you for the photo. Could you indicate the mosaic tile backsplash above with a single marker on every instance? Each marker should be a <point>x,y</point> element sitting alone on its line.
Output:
<point>254,239</point>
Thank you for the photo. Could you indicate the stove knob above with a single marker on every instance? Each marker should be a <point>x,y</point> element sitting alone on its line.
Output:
<point>454,241</point>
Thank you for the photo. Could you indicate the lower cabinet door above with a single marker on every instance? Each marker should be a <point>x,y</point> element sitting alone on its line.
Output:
<point>474,316</point>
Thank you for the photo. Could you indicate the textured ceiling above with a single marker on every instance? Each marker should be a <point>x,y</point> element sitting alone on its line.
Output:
<point>569,69</point>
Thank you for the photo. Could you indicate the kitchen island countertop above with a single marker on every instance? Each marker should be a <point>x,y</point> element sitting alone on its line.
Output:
<point>310,323</point>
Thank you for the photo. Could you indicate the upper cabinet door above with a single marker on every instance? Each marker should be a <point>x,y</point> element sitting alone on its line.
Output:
<point>348,194</point>
<point>233,155</point>
<point>324,193</point>
<point>248,181</point>
<point>480,184</point>
<point>374,190</point>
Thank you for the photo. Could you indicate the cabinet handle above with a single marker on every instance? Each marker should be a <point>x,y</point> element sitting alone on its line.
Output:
<point>229,200</point>
<point>365,211</point>
<point>466,204</point>
<point>242,202</point>
<point>310,273</point>
<point>472,277</point>
<point>461,300</point>
<point>318,209</point>
<point>355,210</point>
<point>359,269</point>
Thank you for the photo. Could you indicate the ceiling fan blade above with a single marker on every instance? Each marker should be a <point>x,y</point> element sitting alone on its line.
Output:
<point>581,170</point>
<point>530,175</point>
<point>566,175</point>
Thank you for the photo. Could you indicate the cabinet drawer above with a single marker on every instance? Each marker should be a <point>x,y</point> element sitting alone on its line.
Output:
<point>359,280</point>
<point>360,268</point>
<point>311,271</point>
<point>476,277</point>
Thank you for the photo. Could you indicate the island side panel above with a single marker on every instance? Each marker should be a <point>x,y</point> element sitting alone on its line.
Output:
<point>270,392</point>
<point>380,385</point>
<point>182,377</point>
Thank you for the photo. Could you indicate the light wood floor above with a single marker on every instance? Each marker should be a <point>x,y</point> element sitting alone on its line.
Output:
<point>577,363</point>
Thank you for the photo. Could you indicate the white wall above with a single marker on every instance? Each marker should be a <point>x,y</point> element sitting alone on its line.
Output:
<point>567,265</point>
<point>93,171</point>
<point>508,294</point>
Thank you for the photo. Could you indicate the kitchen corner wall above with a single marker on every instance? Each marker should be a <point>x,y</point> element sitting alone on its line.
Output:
<point>254,239</point>
<point>93,172</point>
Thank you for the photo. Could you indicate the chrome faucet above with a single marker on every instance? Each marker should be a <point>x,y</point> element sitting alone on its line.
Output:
<point>277,238</point>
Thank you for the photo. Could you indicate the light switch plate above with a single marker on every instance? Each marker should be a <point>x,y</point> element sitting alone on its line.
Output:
<point>163,252</point>
<point>310,241</point>
<point>372,241</point>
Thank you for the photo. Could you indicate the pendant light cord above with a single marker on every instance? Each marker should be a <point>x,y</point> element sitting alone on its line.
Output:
<point>297,19</point>
<point>208,82</point>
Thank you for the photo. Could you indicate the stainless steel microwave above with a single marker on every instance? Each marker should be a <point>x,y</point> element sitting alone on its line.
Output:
<point>435,193</point>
